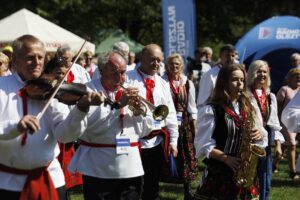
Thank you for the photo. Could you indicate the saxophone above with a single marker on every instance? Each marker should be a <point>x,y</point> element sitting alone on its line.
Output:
<point>249,154</point>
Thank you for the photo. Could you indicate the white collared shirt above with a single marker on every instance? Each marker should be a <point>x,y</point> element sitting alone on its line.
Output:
<point>41,147</point>
<point>206,122</point>
<point>103,126</point>
<point>161,96</point>
<point>206,86</point>
<point>273,120</point>
<point>290,116</point>
<point>191,108</point>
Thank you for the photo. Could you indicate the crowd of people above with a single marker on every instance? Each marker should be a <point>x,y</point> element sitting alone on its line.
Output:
<point>135,124</point>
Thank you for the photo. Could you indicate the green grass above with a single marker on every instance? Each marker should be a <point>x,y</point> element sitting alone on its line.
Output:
<point>283,188</point>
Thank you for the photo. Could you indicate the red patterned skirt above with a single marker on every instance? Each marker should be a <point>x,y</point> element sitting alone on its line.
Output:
<point>66,153</point>
<point>186,162</point>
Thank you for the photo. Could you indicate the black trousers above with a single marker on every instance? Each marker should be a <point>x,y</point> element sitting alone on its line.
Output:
<point>112,189</point>
<point>11,195</point>
<point>152,160</point>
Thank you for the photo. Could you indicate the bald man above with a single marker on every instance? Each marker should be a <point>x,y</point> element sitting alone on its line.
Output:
<point>108,156</point>
<point>156,90</point>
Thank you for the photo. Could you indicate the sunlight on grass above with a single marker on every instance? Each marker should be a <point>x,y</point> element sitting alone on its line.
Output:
<point>283,188</point>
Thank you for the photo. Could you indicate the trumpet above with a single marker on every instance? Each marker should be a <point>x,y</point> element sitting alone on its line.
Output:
<point>159,112</point>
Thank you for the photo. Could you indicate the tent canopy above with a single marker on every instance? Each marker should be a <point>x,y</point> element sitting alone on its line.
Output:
<point>118,36</point>
<point>25,22</point>
<point>274,40</point>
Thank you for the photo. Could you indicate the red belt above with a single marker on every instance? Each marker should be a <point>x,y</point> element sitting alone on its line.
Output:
<point>38,184</point>
<point>165,134</point>
<point>89,144</point>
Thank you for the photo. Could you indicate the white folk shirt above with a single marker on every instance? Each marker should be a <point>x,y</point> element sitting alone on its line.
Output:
<point>206,85</point>
<point>290,116</point>
<point>206,122</point>
<point>80,74</point>
<point>103,126</point>
<point>191,108</point>
<point>273,120</point>
<point>161,96</point>
<point>41,148</point>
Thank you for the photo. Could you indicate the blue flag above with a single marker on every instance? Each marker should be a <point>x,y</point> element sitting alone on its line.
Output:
<point>179,27</point>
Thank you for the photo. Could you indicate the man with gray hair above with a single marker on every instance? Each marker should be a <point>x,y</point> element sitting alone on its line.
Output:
<point>207,56</point>
<point>77,74</point>
<point>123,48</point>
<point>295,60</point>
<point>120,47</point>
<point>108,156</point>
<point>131,61</point>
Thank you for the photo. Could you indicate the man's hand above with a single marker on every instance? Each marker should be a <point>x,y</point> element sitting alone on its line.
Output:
<point>129,96</point>
<point>28,122</point>
<point>173,150</point>
<point>92,98</point>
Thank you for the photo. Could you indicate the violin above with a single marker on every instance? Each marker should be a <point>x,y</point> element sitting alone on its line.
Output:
<point>68,93</point>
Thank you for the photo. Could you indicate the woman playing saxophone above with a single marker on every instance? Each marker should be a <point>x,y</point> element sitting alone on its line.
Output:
<point>219,137</point>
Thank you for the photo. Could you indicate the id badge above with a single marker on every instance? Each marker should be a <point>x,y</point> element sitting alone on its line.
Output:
<point>156,125</point>
<point>179,118</point>
<point>122,144</point>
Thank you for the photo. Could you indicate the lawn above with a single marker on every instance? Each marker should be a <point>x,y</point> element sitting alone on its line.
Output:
<point>283,188</point>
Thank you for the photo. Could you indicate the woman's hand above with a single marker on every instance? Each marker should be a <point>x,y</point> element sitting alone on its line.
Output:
<point>256,135</point>
<point>232,162</point>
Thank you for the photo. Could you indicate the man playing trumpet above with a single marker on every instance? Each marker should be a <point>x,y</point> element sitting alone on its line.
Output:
<point>108,156</point>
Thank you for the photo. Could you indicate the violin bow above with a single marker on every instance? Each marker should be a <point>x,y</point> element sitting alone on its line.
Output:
<point>39,116</point>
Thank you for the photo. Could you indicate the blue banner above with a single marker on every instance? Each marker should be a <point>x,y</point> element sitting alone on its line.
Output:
<point>179,27</point>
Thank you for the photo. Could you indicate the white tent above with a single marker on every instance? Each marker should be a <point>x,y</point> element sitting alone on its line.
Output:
<point>25,22</point>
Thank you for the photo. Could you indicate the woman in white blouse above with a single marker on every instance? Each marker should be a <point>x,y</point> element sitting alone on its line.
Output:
<point>220,127</point>
<point>183,94</point>
<point>258,83</point>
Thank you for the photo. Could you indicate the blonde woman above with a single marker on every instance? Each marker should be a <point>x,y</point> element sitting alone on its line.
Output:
<point>183,94</point>
<point>4,60</point>
<point>258,83</point>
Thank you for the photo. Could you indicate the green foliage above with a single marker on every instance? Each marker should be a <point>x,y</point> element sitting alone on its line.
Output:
<point>218,22</point>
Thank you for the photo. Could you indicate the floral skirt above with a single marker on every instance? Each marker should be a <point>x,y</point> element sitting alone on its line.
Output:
<point>219,184</point>
<point>186,162</point>
<point>66,153</point>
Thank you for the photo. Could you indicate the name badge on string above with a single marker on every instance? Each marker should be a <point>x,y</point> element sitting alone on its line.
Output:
<point>179,118</point>
<point>156,125</point>
<point>122,144</point>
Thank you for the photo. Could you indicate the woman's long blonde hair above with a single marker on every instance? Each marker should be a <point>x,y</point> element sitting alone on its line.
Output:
<point>174,56</point>
<point>251,75</point>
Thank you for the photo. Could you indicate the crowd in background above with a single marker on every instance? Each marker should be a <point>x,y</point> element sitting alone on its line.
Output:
<point>209,104</point>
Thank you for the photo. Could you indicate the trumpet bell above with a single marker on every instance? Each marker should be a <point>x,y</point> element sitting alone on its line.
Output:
<point>160,112</point>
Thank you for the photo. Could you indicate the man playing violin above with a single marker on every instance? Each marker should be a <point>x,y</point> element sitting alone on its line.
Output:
<point>28,146</point>
<point>108,155</point>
